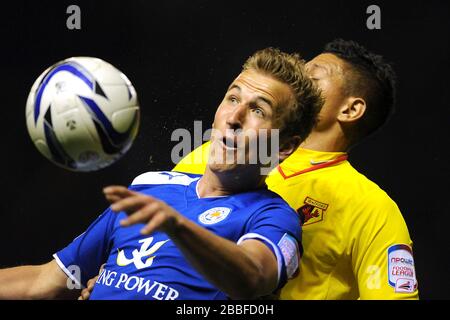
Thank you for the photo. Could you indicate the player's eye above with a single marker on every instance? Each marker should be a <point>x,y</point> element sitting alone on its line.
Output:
<point>233,99</point>
<point>259,112</point>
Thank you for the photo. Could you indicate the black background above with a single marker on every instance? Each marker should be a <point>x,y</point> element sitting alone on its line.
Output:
<point>181,56</point>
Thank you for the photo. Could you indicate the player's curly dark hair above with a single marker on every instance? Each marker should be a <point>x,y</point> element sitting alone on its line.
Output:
<point>371,78</point>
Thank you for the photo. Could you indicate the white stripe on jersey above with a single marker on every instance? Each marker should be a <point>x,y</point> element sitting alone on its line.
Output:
<point>163,177</point>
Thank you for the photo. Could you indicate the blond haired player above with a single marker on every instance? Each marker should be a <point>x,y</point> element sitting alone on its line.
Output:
<point>214,236</point>
<point>356,242</point>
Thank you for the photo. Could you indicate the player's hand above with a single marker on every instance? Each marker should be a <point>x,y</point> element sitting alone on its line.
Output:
<point>141,208</point>
<point>86,292</point>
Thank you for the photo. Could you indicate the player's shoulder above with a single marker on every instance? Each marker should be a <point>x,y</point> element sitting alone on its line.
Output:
<point>373,204</point>
<point>353,192</point>
<point>264,196</point>
<point>264,200</point>
<point>360,186</point>
<point>257,199</point>
<point>371,191</point>
<point>165,178</point>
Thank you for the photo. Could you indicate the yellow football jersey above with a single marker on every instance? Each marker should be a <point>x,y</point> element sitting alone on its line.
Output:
<point>355,240</point>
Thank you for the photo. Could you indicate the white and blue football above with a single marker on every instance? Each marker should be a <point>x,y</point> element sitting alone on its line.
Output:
<point>82,114</point>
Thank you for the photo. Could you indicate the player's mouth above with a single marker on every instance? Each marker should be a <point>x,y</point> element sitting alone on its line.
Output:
<point>230,143</point>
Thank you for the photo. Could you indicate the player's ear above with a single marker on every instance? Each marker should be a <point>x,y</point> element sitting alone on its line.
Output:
<point>352,110</point>
<point>288,147</point>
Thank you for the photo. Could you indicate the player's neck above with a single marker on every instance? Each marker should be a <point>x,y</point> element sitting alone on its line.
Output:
<point>215,184</point>
<point>327,141</point>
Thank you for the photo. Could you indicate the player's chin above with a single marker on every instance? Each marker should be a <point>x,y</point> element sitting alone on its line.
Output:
<point>222,167</point>
<point>236,169</point>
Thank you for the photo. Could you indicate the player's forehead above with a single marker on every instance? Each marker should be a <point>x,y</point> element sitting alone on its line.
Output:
<point>327,63</point>
<point>260,85</point>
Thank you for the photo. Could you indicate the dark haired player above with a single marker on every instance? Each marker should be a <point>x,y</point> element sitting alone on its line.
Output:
<point>356,242</point>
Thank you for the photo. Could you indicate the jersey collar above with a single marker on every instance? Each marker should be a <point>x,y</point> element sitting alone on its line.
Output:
<point>305,160</point>
<point>192,192</point>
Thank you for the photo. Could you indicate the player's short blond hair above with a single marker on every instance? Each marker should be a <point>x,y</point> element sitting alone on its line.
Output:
<point>300,116</point>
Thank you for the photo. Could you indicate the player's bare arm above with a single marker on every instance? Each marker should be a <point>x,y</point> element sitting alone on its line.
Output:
<point>46,281</point>
<point>242,271</point>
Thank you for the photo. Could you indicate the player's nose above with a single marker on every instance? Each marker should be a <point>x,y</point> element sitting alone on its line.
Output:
<point>236,118</point>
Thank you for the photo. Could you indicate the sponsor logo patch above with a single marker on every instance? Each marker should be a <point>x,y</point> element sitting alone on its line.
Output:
<point>142,258</point>
<point>289,249</point>
<point>402,274</point>
<point>312,211</point>
<point>214,215</point>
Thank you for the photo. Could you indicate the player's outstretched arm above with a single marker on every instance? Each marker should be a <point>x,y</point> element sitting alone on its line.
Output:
<point>243,271</point>
<point>45,281</point>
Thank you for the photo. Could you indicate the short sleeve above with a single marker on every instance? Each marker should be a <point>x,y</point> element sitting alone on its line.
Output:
<point>88,251</point>
<point>279,228</point>
<point>382,255</point>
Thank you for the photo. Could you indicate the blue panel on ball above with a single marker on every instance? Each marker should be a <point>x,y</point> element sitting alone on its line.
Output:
<point>71,67</point>
<point>112,140</point>
<point>56,150</point>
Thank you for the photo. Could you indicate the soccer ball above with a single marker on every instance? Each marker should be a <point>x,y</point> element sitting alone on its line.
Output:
<point>82,114</point>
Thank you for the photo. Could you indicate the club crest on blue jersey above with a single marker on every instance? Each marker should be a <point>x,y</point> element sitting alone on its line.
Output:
<point>214,215</point>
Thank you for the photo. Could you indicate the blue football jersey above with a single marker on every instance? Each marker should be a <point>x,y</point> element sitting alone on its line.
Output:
<point>152,267</point>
